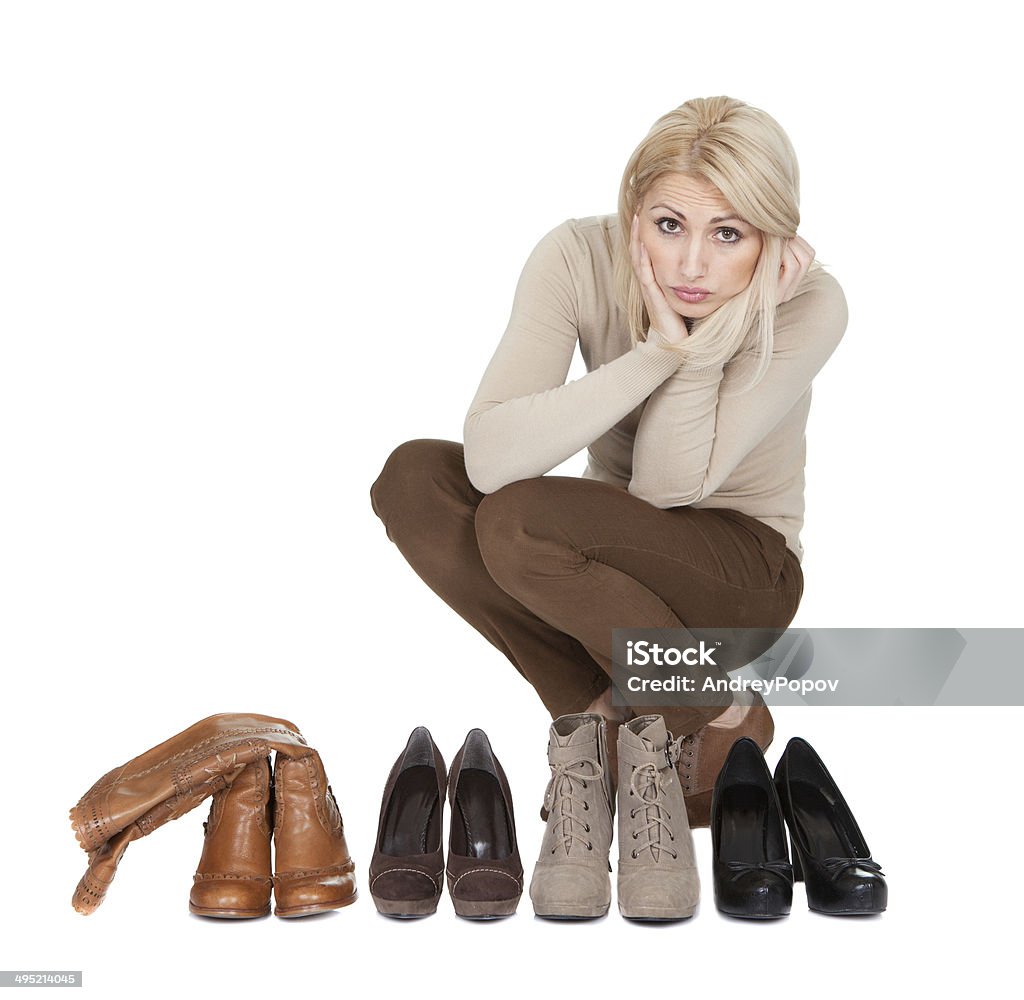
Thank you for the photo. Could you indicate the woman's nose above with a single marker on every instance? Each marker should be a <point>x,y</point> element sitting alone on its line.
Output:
<point>692,264</point>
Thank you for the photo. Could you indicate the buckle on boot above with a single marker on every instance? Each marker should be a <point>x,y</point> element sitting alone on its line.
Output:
<point>672,751</point>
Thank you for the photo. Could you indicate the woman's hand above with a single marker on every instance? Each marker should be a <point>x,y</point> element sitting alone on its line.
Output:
<point>664,319</point>
<point>797,256</point>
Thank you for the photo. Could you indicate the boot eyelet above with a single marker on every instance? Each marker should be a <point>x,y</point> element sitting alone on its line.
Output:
<point>586,807</point>
<point>586,828</point>
<point>635,836</point>
<point>633,855</point>
<point>590,847</point>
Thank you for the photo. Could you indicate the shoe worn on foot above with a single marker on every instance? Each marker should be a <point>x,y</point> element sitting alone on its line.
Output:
<point>702,755</point>
<point>485,875</point>
<point>657,872</point>
<point>313,869</point>
<point>233,879</point>
<point>571,879</point>
<point>407,868</point>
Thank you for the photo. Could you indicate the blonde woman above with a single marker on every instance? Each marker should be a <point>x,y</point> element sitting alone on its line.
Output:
<point>702,321</point>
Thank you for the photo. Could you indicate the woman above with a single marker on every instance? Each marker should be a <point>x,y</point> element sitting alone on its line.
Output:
<point>702,323</point>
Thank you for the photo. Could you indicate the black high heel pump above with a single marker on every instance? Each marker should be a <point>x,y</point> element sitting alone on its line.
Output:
<point>752,874</point>
<point>830,854</point>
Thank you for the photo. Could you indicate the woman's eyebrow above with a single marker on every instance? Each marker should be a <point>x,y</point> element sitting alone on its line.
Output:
<point>713,222</point>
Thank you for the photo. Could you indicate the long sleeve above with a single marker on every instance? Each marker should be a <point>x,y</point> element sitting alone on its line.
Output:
<point>693,436</point>
<point>525,419</point>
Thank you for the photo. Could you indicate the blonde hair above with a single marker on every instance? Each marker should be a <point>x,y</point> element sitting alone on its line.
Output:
<point>744,153</point>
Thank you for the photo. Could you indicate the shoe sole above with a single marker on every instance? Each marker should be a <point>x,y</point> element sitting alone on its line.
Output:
<point>572,912</point>
<point>661,917</point>
<point>206,911</point>
<point>308,911</point>
<point>754,916</point>
<point>472,909</point>
<point>847,913</point>
<point>405,909</point>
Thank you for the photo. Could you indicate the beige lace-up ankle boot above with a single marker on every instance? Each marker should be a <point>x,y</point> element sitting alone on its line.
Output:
<point>657,872</point>
<point>571,879</point>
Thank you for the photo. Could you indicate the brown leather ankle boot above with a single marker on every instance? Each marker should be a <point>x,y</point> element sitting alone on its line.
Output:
<point>702,755</point>
<point>233,879</point>
<point>313,871</point>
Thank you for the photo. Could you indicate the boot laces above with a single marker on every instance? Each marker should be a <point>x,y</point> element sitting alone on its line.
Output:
<point>567,806</point>
<point>647,784</point>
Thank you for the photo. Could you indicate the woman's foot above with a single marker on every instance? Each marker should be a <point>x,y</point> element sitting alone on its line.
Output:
<point>736,712</point>
<point>703,753</point>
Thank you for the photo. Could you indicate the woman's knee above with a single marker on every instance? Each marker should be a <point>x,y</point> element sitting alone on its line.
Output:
<point>413,471</point>
<point>514,532</point>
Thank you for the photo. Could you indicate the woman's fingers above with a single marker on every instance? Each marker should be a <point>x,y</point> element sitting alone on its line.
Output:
<point>802,248</point>
<point>797,257</point>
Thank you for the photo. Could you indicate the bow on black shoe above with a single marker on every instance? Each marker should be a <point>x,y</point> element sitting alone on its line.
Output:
<point>752,874</point>
<point>830,853</point>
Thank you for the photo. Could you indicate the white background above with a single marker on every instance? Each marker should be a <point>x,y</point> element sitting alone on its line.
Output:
<point>248,248</point>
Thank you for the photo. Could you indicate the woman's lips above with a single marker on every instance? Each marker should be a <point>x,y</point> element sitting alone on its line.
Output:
<point>691,295</point>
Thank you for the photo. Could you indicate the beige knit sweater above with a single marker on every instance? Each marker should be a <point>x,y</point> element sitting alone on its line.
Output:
<point>671,434</point>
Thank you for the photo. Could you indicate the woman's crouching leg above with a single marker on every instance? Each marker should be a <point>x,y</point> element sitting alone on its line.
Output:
<point>429,507</point>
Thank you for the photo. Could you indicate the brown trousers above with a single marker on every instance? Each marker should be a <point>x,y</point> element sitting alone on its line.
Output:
<point>545,568</point>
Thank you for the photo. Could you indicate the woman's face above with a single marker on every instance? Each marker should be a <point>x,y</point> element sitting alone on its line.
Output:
<point>702,252</point>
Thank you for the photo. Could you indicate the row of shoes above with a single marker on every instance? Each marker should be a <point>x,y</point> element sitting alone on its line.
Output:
<point>279,831</point>
<point>749,812</point>
<point>657,877</point>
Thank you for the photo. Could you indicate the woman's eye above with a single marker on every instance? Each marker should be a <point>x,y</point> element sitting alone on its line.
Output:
<point>730,235</point>
<point>670,226</point>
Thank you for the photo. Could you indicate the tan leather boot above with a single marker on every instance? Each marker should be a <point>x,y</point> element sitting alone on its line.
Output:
<point>571,878</point>
<point>233,879</point>
<point>702,755</point>
<point>313,871</point>
<point>131,801</point>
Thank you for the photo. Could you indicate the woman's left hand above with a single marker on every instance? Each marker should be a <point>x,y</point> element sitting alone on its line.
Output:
<point>797,257</point>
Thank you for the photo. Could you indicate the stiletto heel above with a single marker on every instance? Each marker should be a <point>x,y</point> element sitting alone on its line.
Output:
<point>830,853</point>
